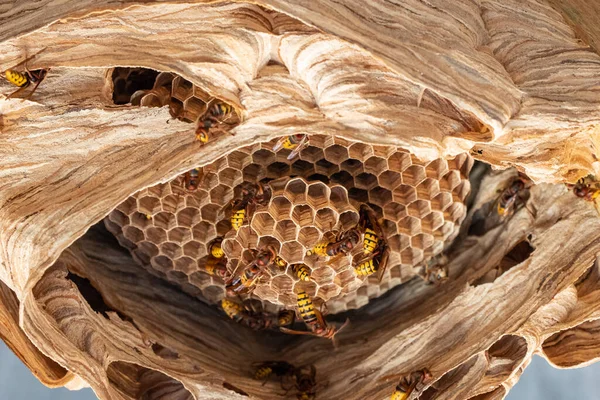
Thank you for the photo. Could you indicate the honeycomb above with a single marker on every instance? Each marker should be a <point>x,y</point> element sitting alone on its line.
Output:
<point>149,88</point>
<point>169,230</point>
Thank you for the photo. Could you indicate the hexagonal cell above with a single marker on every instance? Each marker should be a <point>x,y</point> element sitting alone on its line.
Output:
<point>318,195</point>
<point>194,249</point>
<point>194,107</point>
<point>156,234</point>
<point>398,242</point>
<point>282,283</point>
<point>421,241</point>
<point>419,208</point>
<point>118,218</point>
<point>149,205</point>
<point>409,225</point>
<point>380,196</point>
<point>303,215</point>
<point>204,232</point>
<point>148,248</point>
<point>436,169</point>
<point>326,167</point>
<point>292,252</point>
<point>188,217</point>
<point>413,175</point>
<point>221,195</point>
<point>462,190</point>
<point>390,179</point>
<point>318,177</point>
<point>455,211</point>
<point>404,194</point>
<point>348,220</point>
<point>133,234</point>
<point>162,263</point>
<point>280,208</point>
<point>441,201</point>
<point>325,219</point>
<point>238,160</point>
<point>432,221</point>
<point>230,177</point>
<point>450,181</point>
<point>181,234</point>
<point>277,169</point>
<point>200,279</point>
<point>263,223</point>
<point>223,226</point>
<point>376,165</point>
<point>182,89</point>
<point>247,237</point>
<point>312,154</point>
<point>428,189</point>
<point>185,265</point>
<point>394,211</point>
<point>171,250</point>
<point>210,212</point>
<point>389,228</point>
<point>296,191</point>
<point>169,203</point>
<point>253,173</point>
<point>140,220</point>
<point>343,178</point>
<point>302,168</point>
<point>263,157</point>
<point>399,161</point>
<point>360,151</point>
<point>411,256</point>
<point>336,154</point>
<point>128,206</point>
<point>365,181</point>
<point>352,166</point>
<point>286,230</point>
<point>308,236</point>
<point>359,195</point>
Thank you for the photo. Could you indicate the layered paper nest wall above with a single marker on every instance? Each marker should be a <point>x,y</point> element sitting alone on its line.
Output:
<point>509,83</point>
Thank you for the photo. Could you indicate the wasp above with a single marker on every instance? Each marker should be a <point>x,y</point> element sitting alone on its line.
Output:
<point>408,384</point>
<point>191,180</point>
<point>306,382</point>
<point>215,248</point>
<point>509,198</point>
<point>234,310</point>
<point>368,224</point>
<point>24,79</point>
<point>302,272</point>
<point>281,369</point>
<point>251,196</point>
<point>286,317</point>
<point>313,319</point>
<point>296,143</point>
<point>588,189</point>
<point>280,262</point>
<point>216,267</point>
<point>377,262</point>
<point>342,245</point>
<point>435,271</point>
<point>217,113</point>
<point>245,282</point>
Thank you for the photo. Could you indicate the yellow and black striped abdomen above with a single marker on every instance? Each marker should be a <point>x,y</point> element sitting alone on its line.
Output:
<point>237,219</point>
<point>370,241</point>
<point>320,249</point>
<point>399,395</point>
<point>302,272</point>
<point>366,268</point>
<point>263,372</point>
<point>17,78</point>
<point>233,310</point>
<point>306,308</point>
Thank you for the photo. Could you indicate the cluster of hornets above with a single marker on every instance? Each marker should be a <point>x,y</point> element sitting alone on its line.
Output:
<point>367,233</point>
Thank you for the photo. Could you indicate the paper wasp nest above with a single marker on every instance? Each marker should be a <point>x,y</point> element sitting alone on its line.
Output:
<point>397,100</point>
<point>169,230</point>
